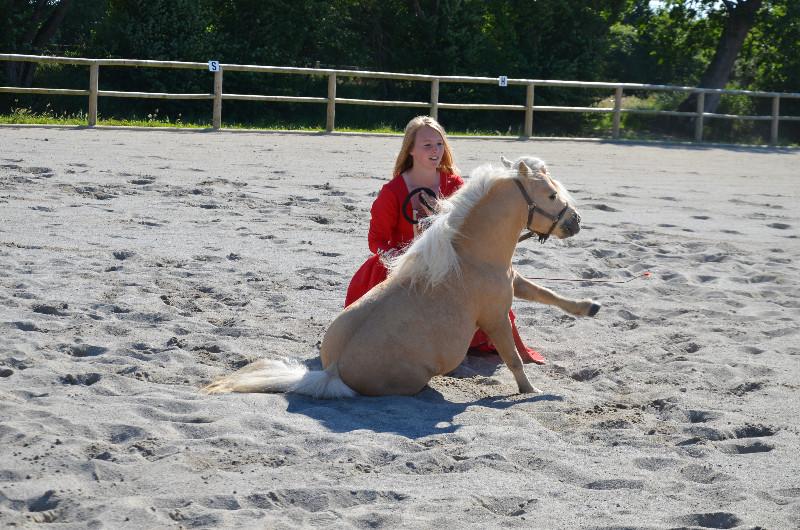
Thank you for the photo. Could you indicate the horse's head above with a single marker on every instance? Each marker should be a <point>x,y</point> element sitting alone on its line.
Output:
<point>551,210</point>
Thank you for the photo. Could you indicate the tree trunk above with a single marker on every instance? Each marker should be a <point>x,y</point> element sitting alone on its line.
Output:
<point>741,17</point>
<point>41,31</point>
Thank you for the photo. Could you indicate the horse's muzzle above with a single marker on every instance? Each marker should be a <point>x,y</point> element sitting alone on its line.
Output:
<point>571,224</point>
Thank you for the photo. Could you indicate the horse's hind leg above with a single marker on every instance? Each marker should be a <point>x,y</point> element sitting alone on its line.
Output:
<point>500,334</point>
<point>527,290</point>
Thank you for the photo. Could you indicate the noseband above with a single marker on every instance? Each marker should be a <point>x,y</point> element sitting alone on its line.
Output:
<point>531,210</point>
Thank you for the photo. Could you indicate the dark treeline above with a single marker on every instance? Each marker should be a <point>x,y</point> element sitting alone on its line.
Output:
<point>749,44</point>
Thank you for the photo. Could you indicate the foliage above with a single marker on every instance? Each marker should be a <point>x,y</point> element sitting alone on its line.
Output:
<point>671,42</point>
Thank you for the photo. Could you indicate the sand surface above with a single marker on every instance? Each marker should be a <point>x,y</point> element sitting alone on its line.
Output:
<point>136,266</point>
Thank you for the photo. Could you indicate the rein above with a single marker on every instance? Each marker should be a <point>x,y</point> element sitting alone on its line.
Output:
<point>417,191</point>
<point>590,280</point>
<point>531,211</point>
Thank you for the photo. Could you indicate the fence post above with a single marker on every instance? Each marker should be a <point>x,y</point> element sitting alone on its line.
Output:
<point>435,99</point>
<point>776,111</point>
<point>617,111</point>
<point>94,77</point>
<point>331,119</point>
<point>698,123</point>
<point>216,119</point>
<point>529,111</point>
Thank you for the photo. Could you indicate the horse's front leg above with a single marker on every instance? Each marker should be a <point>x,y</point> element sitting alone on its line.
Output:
<point>499,332</point>
<point>527,290</point>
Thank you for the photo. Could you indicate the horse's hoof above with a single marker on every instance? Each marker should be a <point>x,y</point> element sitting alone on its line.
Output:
<point>593,309</point>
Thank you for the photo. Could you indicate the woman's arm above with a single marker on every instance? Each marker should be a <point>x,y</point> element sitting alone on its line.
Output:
<point>385,216</point>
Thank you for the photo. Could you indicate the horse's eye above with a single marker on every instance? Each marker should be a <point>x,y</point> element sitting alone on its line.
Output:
<point>553,196</point>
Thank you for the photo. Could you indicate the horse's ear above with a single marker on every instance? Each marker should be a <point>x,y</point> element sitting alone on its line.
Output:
<point>524,170</point>
<point>506,162</point>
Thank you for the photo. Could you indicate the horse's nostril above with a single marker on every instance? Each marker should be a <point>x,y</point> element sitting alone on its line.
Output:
<point>573,224</point>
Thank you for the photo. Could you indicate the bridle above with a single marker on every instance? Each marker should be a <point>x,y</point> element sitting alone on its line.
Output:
<point>531,210</point>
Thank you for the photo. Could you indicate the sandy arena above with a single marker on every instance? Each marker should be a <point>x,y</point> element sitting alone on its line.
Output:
<point>138,265</point>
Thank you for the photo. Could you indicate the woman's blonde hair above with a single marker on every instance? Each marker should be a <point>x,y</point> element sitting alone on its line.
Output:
<point>405,161</point>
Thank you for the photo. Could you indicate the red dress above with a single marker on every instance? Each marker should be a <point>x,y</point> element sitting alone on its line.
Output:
<point>389,231</point>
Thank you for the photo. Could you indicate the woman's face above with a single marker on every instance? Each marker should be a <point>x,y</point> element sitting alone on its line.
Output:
<point>428,148</point>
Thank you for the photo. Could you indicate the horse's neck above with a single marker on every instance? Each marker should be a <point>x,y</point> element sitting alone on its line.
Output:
<point>490,231</point>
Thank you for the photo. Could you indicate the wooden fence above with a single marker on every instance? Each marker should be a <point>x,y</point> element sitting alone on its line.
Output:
<point>433,106</point>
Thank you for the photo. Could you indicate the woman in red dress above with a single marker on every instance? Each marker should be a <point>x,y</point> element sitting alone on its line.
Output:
<point>425,161</point>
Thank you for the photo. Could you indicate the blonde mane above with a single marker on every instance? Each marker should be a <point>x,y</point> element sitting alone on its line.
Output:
<point>431,258</point>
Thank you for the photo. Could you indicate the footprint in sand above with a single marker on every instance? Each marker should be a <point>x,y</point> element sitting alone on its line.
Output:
<point>27,326</point>
<point>317,499</point>
<point>601,207</point>
<point>81,379</point>
<point>702,416</point>
<point>627,315</point>
<point>507,506</point>
<point>745,388</point>
<point>747,448</point>
<point>140,180</point>
<point>705,278</point>
<point>709,520</point>
<point>607,253</point>
<point>84,350</point>
<point>654,463</point>
<point>779,226</point>
<point>615,484</point>
<point>585,374</point>
<point>51,309</point>
<point>691,347</point>
<point>703,474</point>
<point>43,507</point>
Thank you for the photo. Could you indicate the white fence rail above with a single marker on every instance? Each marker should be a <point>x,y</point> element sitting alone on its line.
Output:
<point>433,105</point>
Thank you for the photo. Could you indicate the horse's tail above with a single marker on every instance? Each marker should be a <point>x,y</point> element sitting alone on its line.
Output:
<point>277,376</point>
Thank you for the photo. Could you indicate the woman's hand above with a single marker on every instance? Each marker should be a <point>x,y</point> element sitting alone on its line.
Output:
<point>421,212</point>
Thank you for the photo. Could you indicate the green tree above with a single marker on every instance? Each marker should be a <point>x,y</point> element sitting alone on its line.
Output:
<point>29,27</point>
<point>738,17</point>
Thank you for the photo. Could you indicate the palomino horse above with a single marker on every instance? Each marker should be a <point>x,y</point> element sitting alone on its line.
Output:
<point>456,277</point>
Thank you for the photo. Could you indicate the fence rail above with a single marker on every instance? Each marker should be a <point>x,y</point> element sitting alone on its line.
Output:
<point>218,96</point>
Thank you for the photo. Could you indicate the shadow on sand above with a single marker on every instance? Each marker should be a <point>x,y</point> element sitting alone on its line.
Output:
<point>424,414</point>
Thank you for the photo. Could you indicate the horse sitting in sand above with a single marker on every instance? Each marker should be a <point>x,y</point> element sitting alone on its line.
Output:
<point>454,278</point>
